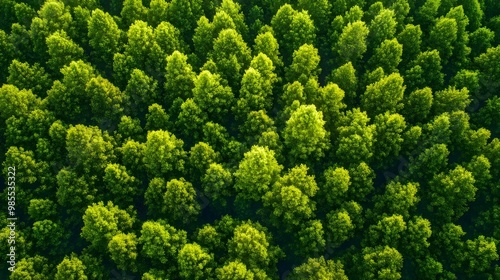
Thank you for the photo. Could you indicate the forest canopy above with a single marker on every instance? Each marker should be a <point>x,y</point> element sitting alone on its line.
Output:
<point>231,139</point>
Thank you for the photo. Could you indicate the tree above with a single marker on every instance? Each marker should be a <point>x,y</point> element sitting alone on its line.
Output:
<point>449,237</point>
<point>157,12</point>
<point>339,227</point>
<point>417,106</point>
<point>445,32</point>
<point>411,39</point>
<point>132,155</point>
<point>490,72</point>
<point>355,142</point>
<point>71,268</point>
<point>212,96</point>
<point>65,98</point>
<point>480,253</point>
<point>41,209</point>
<point>362,177</point>
<point>398,198</point>
<point>310,239</point>
<point>194,262</point>
<point>163,153</point>
<point>300,32</point>
<point>345,77</point>
<point>107,102</point>
<point>474,13</point>
<point>233,9</point>
<point>291,197</point>
<point>217,183</point>
<point>179,78</point>
<point>62,50</point>
<point>306,121</point>
<point>305,65</point>
<point>388,231</point>
<point>36,267</point>
<point>451,192</point>
<point>89,150</point>
<point>381,263</point>
<point>480,40</point>
<point>168,38</point>
<point>451,99</point>
<point>122,187</point>
<point>49,237</point>
<point>104,36</point>
<point>250,246</point>
<point>329,100</point>
<point>141,52</point>
<point>256,173</point>
<point>191,119</point>
<point>255,94</point>
<point>101,222</point>
<point>416,240</point>
<point>201,156</point>
<point>382,27</point>
<point>29,77</point>
<point>425,71</point>
<point>231,55</point>
<point>15,102</point>
<point>132,10</point>
<point>183,15</point>
<point>429,162</point>
<point>319,268</point>
<point>352,42</point>
<point>427,13</point>
<point>337,182</point>
<point>160,241</point>
<point>384,95</point>
<point>123,250</point>
<point>467,79</point>
<point>388,136</point>
<point>141,91</point>
<point>52,16</point>
<point>387,55</point>
<point>157,118</point>
<point>179,202</point>
<point>256,123</point>
<point>267,44</point>
<point>461,51</point>
<point>234,270</point>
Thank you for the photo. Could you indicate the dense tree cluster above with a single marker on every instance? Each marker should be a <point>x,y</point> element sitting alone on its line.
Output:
<point>231,139</point>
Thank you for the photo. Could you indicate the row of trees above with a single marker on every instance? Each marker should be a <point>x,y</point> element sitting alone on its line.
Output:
<point>253,140</point>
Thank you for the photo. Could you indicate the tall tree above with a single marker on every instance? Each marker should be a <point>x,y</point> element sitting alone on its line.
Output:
<point>163,154</point>
<point>305,134</point>
<point>384,95</point>
<point>256,172</point>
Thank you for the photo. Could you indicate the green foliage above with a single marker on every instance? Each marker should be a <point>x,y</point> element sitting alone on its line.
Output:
<point>123,250</point>
<point>163,153</point>
<point>256,172</point>
<point>104,35</point>
<point>180,139</point>
<point>381,263</point>
<point>305,135</point>
<point>319,268</point>
<point>102,222</point>
<point>352,42</point>
<point>384,95</point>
<point>71,268</point>
<point>355,142</point>
<point>194,262</point>
<point>160,241</point>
